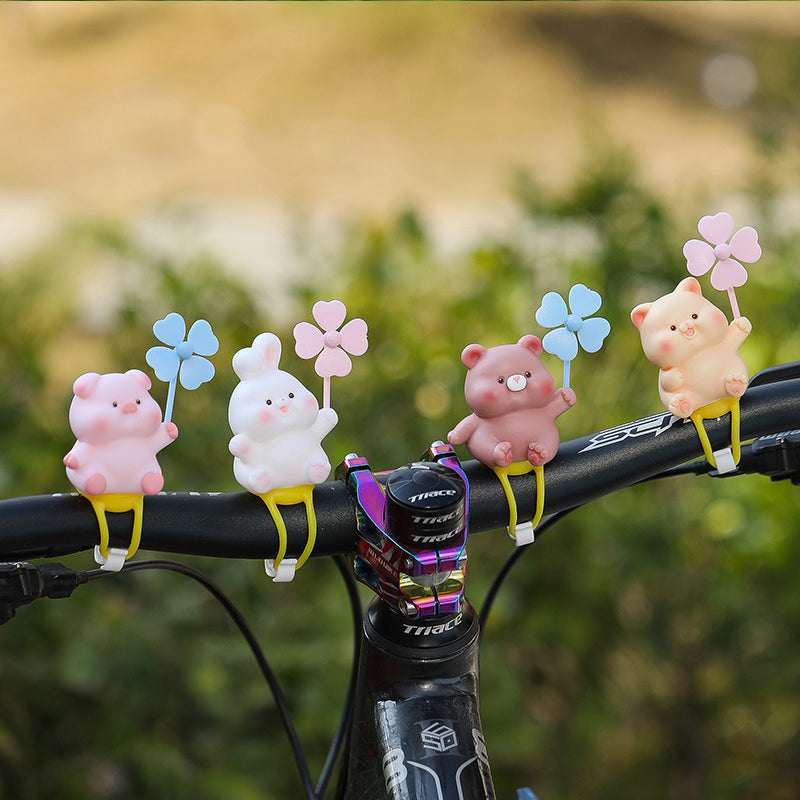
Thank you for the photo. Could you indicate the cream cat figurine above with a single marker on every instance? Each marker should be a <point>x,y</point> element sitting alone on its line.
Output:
<point>695,348</point>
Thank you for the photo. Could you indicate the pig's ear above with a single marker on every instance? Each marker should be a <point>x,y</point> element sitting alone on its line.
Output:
<point>84,385</point>
<point>471,354</point>
<point>639,313</point>
<point>689,285</point>
<point>532,343</point>
<point>141,378</point>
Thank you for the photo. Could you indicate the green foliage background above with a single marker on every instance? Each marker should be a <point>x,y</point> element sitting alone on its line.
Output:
<point>646,647</point>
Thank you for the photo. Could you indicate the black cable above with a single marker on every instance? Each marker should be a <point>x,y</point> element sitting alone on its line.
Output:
<point>516,554</point>
<point>341,738</point>
<point>241,623</point>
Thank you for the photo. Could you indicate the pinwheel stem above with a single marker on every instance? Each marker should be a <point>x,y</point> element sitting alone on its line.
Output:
<point>734,303</point>
<point>326,392</point>
<point>566,374</point>
<point>170,399</point>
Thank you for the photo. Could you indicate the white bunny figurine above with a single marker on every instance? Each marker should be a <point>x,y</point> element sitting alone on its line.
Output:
<point>277,423</point>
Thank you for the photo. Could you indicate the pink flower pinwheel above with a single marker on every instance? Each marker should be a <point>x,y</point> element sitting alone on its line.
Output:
<point>330,345</point>
<point>724,254</point>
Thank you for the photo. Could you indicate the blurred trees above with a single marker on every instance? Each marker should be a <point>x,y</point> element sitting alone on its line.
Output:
<point>646,646</point>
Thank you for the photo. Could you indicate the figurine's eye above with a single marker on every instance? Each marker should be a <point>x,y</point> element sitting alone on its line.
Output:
<point>269,402</point>
<point>501,380</point>
<point>114,403</point>
<point>527,374</point>
<point>694,316</point>
<point>138,401</point>
<point>673,328</point>
<point>291,395</point>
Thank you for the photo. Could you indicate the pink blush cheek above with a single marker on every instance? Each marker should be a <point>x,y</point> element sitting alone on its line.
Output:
<point>665,346</point>
<point>154,417</point>
<point>264,415</point>
<point>310,403</point>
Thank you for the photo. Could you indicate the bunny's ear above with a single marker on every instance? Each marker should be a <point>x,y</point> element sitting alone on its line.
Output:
<point>263,356</point>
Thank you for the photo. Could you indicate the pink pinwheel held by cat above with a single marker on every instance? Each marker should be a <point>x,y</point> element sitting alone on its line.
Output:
<point>722,254</point>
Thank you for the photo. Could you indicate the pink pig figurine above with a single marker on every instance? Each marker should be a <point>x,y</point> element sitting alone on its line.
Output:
<point>695,348</point>
<point>119,430</point>
<point>514,403</point>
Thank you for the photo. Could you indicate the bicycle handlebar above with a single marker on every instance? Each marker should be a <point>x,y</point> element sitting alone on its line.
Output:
<point>237,525</point>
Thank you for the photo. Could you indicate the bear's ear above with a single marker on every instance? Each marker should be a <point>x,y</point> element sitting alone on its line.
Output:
<point>141,378</point>
<point>84,385</point>
<point>689,285</point>
<point>532,343</point>
<point>639,313</point>
<point>471,354</point>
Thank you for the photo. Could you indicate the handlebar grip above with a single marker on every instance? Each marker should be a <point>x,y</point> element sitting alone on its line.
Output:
<point>235,525</point>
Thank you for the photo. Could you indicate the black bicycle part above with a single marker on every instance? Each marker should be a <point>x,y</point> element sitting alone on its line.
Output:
<point>416,727</point>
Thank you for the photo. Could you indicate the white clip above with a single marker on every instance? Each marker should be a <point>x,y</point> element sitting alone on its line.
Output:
<point>284,572</point>
<point>523,533</point>
<point>724,461</point>
<point>115,560</point>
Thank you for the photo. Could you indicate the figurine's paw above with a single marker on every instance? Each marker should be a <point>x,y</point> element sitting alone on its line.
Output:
<point>260,482</point>
<point>239,446</point>
<point>569,396</point>
<point>735,385</point>
<point>502,454</point>
<point>152,482</point>
<point>743,324</point>
<point>680,405</point>
<point>95,484</point>
<point>171,429</point>
<point>318,471</point>
<point>538,454</point>
<point>71,461</point>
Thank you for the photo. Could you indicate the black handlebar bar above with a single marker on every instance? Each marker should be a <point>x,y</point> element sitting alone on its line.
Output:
<point>237,525</point>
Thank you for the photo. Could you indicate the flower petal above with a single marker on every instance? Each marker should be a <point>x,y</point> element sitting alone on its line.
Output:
<point>333,362</point>
<point>583,301</point>
<point>201,339</point>
<point>699,256</point>
<point>592,333</point>
<point>354,337</point>
<point>308,340</point>
<point>728,273</point>
<point>552,312</point>
<point>164,361</point>
<point>195,371</point>
<point>745,246</point>
<point>716,229</point>
<point>329,315</point>
<point>561,343</point>
<point>171,329</point>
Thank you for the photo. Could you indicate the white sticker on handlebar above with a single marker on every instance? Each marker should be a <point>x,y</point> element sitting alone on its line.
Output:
<point>649,426</point>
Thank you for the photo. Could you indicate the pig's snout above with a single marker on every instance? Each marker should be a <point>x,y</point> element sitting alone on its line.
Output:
<point>129,408</point>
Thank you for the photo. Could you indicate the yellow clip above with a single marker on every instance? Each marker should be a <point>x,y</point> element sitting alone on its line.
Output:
<point>282,569</point>
<point>727,405</point>
<point>522,533</point>
<point>112,559</point>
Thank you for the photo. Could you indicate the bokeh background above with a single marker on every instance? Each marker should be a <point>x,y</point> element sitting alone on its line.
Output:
<point>439,167</point>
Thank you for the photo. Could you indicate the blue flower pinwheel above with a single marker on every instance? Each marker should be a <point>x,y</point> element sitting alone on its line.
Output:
<point>571,324</point>
<point>184,357</point>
